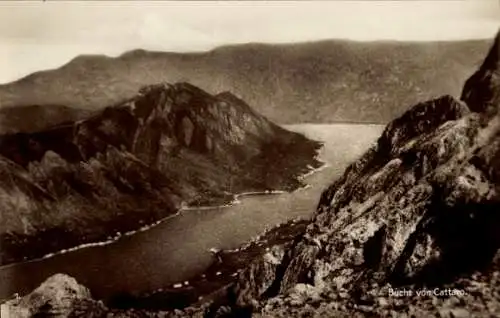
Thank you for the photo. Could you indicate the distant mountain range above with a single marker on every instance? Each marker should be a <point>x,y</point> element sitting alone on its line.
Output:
<point>328,81</point>
<point>136,162</point>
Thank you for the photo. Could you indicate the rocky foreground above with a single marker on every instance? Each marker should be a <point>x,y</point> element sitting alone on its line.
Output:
<point>411,229</point>
<point>137,162</point>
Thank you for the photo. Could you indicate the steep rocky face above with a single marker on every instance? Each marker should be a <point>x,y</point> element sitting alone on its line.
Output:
<point>482,90</point>
<point>136,162</point>
<point>418,210</point>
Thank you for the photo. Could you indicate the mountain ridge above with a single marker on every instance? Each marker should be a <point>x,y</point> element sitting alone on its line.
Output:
<point>136,162</point>
<point>338,80</point>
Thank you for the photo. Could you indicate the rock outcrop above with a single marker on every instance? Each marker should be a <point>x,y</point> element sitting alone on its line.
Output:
<point>137,162</point>
<point>482,90</point>
<point>56,297</point>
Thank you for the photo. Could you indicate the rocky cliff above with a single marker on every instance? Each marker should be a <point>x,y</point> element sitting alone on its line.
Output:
<point>418,212</point>
<point>136,162</point>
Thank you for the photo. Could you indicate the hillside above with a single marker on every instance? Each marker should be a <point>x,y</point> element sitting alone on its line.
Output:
<point>33,118</point>
<point>137,162</point>
<point>328,81</point>
<point>417,213</point>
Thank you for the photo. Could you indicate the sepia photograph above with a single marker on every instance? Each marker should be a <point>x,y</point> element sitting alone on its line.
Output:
<point>250,158</point>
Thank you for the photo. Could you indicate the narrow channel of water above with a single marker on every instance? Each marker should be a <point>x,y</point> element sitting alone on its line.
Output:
<point>178,248</point>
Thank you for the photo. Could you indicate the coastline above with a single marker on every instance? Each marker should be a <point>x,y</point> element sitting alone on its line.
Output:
<point>179,211</point>
<point>214,280</point>
<point>211,283</point>
<point>256,239</point>
<point>236,197</point>
<point>112,240</point>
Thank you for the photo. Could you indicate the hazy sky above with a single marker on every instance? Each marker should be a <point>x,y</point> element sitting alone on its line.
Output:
<point>42,35</point>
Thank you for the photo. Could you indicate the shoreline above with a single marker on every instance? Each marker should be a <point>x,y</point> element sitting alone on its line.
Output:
<point>211,283</point>
<point>236,197</point>
<point>263,234</point>
<point>323,166</point>
<point>113,239</point>
<point>119,235</point>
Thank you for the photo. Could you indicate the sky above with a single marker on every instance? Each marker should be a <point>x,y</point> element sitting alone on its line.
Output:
<point>37,35</point>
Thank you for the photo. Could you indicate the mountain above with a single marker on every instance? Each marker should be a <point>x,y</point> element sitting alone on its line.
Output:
<point>410,229</point>
<point>134,163</point>
<point>417,213</point>
<point>327,81</point>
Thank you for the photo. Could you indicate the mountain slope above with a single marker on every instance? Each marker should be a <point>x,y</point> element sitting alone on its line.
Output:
<point>419,212</point>
<point>327,81</point>
<point>33,118</point>
<point>136,162</point>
